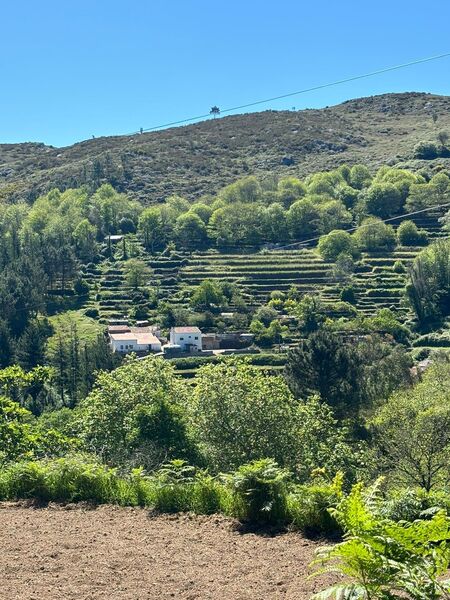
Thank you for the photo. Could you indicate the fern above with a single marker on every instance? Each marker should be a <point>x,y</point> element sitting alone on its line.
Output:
<point>383,558</point>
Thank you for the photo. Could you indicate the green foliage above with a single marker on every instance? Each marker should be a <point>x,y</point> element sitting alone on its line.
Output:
<point>382,199</point>
<point>180,487</point>
<point>131,415</point>
<point>426,150</point>
<point>429,287</point>
<point>208,295</point>
<point>374,235</point>
<point>348,375</point>
<point>383,559</point>
<point>309,504</point>
<point>137,273</point>
<point>335,243</point>
<point>399,267</point>
<point>408,234</point>
<point>412,431</point>
<point>259,492</point>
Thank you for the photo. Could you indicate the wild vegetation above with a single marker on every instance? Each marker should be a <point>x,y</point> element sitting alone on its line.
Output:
<point>343,279</point>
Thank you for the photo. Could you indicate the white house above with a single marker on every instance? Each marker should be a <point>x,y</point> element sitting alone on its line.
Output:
<point>189,339</point>
<point>132,341</point>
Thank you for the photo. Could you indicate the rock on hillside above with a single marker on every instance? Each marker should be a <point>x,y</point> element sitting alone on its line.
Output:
<point>198,159</point>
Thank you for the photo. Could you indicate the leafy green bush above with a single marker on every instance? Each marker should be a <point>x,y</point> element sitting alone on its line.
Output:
<point>411,504</point>
<point>308,506</point>
<point>347,294</point>
<point>259,492</point>
<point>384,559</point>
<point>426,150</point>
<point>408,234</point>
<point>26,480</point>
<point>180,487</point>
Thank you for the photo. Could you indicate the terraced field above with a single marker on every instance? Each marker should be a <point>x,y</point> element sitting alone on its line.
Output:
<point>258,273</point>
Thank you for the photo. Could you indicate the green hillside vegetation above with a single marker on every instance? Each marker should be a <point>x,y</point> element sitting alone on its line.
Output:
<point>331,424</point>
<point>204,157</point>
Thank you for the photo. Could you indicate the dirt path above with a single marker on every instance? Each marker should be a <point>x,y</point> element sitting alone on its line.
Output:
<point>113,553</point>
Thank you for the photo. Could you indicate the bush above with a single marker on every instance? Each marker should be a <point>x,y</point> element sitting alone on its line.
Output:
<point>91,312</point>
<point>180,487</point>
<point>408,234</point>
<point>308,507</point>
<point>426,150</point>
<point>411,504</point>
<point>399,267</point>
<point>259,492</point>
<point>348,294</point>
<point>374,235</point>
<point>81,287</point>
<point>335,243</point>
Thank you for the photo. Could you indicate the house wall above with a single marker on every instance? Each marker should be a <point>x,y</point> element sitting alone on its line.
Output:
<point>186,339</point>
<point>126,346</point>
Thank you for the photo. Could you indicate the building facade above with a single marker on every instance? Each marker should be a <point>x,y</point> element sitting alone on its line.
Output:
<point>189,339</point>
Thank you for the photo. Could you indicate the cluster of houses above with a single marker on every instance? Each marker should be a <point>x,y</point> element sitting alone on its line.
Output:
<point>144,339</point>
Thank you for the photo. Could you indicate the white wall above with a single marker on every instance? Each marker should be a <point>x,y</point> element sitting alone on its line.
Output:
<point>185,339</point>
<point>132,346</point>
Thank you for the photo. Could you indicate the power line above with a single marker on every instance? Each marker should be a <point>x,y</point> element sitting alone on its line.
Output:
<point>315,239</point>
<point>297,93</point>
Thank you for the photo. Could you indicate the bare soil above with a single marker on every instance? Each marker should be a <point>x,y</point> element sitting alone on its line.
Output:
<point>76,552</point>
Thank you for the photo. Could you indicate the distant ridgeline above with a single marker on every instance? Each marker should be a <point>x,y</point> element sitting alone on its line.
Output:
<point>196,160</point>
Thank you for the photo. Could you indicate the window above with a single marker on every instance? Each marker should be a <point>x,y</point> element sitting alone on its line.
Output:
<point>121,346</point>
<point>196,337</point>
<point>182,338</point>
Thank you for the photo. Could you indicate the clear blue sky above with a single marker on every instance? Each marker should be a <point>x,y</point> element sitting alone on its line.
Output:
<point>70,69</point>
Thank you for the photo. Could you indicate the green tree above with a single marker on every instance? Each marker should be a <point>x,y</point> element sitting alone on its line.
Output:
<point>190,230</point>
<point>335,243</point>
<point>412,432</point>
<point>132,415</point>
<point>360,177</point>
<point>347,375</point>
<point>85,236</point>
<point>207,295</point>
<point>152,229</point>
<point>408,234</point>
<point>429,287</point>
<point>382,200</point>
<point>137,273</point>
<point>239,414</point>
<point>303,219</point>
<point>374,235</point>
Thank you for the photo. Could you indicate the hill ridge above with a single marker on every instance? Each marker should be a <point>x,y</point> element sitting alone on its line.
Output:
<point>199,158</point>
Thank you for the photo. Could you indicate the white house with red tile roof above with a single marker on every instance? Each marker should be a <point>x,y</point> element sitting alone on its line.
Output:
<point>189,339</point>
<point>134,341</point>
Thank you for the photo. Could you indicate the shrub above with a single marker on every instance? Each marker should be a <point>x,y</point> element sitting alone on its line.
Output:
<point>259,492</point>
<point>399,267</point>
<point>384,559</point>
<point>373,235</point>
<point>335,243</point>
<point>26,480</point>
<point>408,234</point>
<point>308,507</point>
<point>348,294</point>
<point>81,287</point>
<point>180,487</point>
<point>426,150</point>
<point>91,312</point>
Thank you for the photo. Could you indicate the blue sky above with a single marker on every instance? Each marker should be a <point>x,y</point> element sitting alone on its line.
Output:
<point>70,70</point>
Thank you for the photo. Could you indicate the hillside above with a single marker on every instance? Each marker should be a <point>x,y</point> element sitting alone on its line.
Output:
<point>199,159</point>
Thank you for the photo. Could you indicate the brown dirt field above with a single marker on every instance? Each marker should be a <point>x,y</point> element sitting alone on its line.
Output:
<point>74,552</point>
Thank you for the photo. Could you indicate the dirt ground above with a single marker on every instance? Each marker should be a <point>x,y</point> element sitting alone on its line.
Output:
<point>74,552</point>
